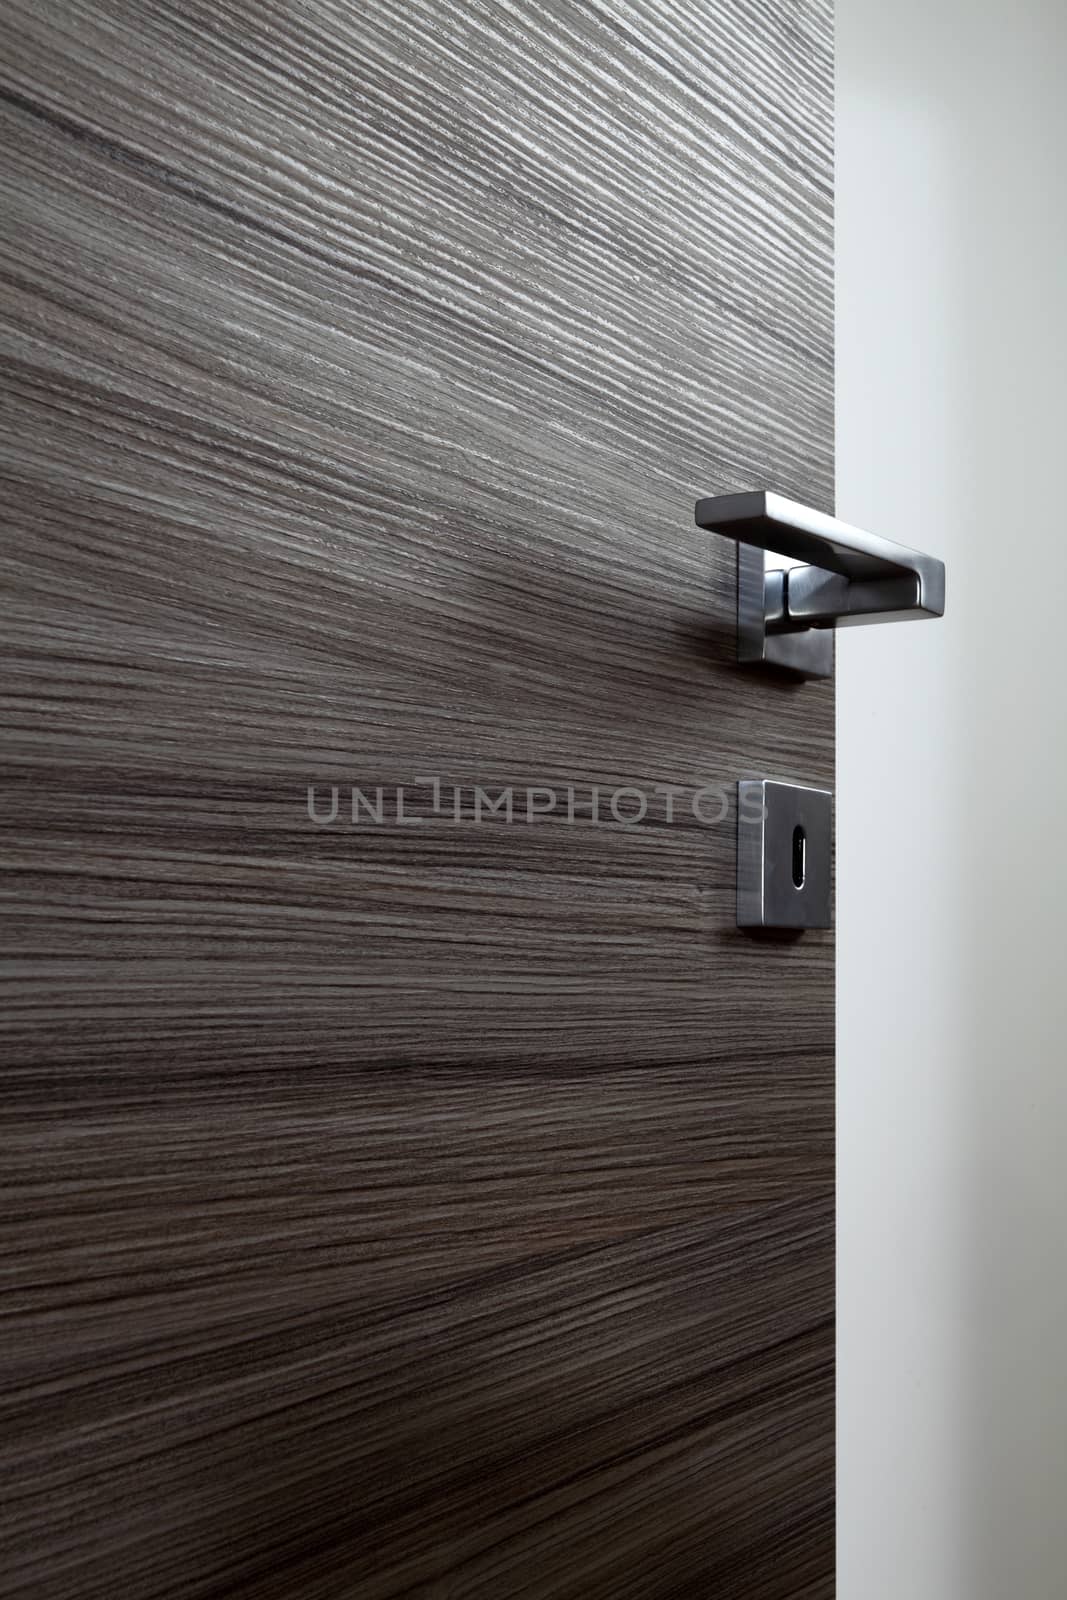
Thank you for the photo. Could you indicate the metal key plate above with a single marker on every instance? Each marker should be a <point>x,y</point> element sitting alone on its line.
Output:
<point>784,855</point>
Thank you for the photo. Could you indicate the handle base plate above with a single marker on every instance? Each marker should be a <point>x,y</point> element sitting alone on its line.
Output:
<point>809,654</point>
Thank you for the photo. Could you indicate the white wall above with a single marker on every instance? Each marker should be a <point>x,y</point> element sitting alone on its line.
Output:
<point>951,815</point>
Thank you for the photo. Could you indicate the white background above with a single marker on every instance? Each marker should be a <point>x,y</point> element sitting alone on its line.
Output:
<point>951,813</point>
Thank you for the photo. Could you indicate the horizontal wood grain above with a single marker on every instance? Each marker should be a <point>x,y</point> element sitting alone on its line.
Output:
<point>442,1209</point>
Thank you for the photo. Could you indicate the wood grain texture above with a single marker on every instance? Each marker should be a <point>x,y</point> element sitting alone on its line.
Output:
<point>442,1209</point>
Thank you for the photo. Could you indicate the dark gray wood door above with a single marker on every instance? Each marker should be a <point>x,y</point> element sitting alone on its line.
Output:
<point>439,1205</point>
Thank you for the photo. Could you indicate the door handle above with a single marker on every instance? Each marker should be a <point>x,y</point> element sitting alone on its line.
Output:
<point>784,618</point>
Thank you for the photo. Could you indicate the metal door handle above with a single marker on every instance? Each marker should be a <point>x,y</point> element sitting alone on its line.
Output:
<point>783,618</point>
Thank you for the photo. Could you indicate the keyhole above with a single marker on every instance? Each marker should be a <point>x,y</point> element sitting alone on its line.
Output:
<point>800,849</point>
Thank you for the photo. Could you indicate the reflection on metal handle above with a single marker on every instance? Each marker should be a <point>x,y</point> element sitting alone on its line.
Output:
<point>851,577</point>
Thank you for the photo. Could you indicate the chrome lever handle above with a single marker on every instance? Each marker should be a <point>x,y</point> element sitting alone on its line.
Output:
<point>851,577</point>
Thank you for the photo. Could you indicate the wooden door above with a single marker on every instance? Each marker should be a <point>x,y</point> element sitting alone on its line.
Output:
<point>439,1205</point>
